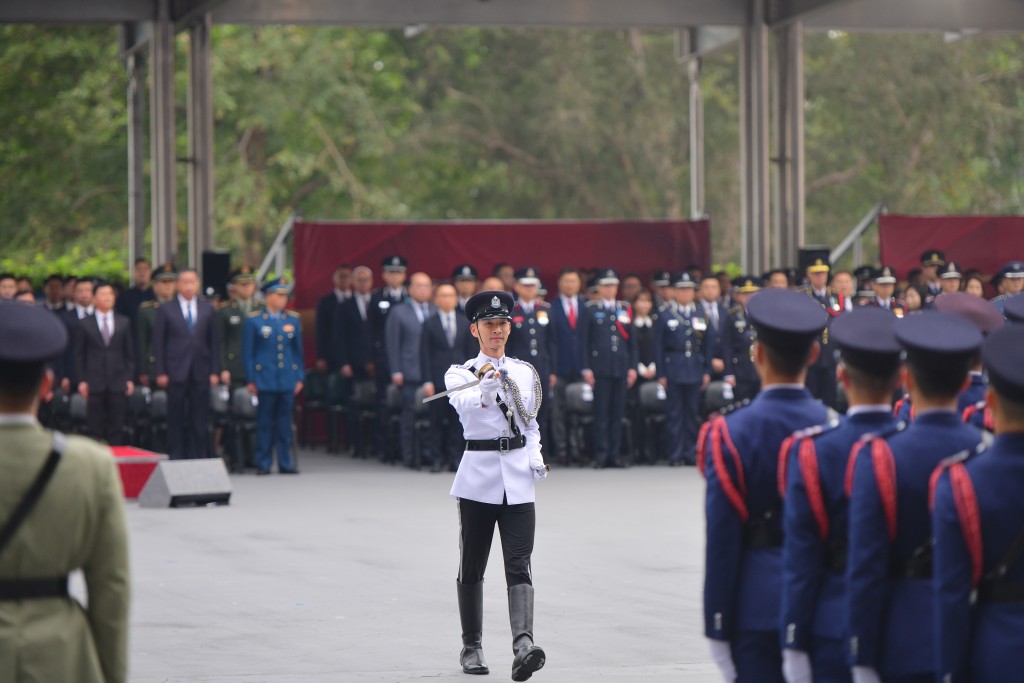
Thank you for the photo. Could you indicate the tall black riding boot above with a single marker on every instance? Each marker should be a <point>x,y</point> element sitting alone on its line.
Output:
<point>529,657</point>
<point>471,612</point>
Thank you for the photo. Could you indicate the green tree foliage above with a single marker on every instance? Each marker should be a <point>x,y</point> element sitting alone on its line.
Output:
<point>488,123</point>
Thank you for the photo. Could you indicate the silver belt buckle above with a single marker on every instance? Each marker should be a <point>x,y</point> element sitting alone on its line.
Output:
<point>503,444</point>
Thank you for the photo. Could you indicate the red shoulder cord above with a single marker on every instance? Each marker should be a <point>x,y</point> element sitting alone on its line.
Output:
<point>899,405</point>
<point>735,492</point>
<point>885,477</point>
<point>702,439</point>
<point>851,461</point>
<point>787,445</point>
<point>812,482</point>
<point>966,501</point>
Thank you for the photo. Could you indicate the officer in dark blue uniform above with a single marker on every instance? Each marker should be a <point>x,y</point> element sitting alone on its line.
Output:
<point>683,343</point>
<point>978,523</point>
<point>609,365</point>
<point>533,339</point>
<point>743,571</point>
<point>1013,283</point>
<point>983,315</point>
<point>891,618</point>
<point>738,337</point>
<point>821,377</point>
<point>883,284</point>
<point>815,519</point>
<point>382,302</point>
<point>272,347</point>
<point>661,285</point>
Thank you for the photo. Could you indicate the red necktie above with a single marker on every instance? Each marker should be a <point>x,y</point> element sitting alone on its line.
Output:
<point>572,314</point>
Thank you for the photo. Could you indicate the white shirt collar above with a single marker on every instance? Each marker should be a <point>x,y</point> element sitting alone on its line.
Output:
<point>782,385</point>
<point>869,408</point>
<point>482,358</point>
<point>17,419</point>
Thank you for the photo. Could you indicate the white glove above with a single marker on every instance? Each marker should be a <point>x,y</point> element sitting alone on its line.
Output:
<point>489,388</point>
<point>796,666</point>
<point>540,470</point>
<point>865,674</point>
<point>721,654</point>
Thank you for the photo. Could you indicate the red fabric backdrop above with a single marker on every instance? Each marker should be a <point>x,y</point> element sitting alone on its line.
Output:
<point>437,247</point>
<point>983,242</point>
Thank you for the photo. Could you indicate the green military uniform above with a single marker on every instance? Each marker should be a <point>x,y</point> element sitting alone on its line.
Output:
<point>145,321</point>
<point>77,522</point>
<point>230,324</point>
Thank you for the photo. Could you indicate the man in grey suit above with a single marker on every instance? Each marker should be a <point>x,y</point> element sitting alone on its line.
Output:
<point>403,331</point>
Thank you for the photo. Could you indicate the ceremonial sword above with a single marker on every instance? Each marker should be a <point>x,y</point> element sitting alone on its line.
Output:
<point>468,385</point>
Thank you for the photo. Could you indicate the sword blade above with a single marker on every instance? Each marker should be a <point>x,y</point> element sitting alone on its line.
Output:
<point>467,385</point>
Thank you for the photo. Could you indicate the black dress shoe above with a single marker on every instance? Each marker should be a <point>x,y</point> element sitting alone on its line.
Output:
<point>261,472</point>
<point>287,470</point>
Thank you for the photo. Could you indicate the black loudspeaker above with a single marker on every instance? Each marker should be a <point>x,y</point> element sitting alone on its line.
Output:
<point>216,267</point>
<point>809,255</point>
<point>184,483</point>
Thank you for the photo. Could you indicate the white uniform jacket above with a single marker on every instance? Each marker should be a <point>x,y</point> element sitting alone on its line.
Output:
<point>492,476</point>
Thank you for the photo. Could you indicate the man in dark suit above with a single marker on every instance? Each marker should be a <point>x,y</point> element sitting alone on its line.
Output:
<point>128,303</point>
<point>355,339</point>
<point>446,341</point>
<point>403,332</point>
<point>328,356</point>
<point>105,366</point>
<point>187,364</point>
<point>716,316</point>
<point>565,311</point>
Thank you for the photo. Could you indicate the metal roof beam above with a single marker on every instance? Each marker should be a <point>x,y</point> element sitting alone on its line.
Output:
<point>781,12</point>
<point>537,13</point>
<point>76,11</point>
<point>920,15</point>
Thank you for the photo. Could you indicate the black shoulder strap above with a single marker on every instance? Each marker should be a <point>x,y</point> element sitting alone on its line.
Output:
<point>34,492</point>
<point>1012,555</point>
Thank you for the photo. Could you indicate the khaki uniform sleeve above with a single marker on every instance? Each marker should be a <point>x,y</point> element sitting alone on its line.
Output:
<point>107,577</point>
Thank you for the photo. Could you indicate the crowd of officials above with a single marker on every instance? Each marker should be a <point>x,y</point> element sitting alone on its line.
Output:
<point>611,350</point>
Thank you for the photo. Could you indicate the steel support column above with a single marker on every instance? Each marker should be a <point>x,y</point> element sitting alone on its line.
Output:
<point>135,66</point>
<point>697,204</point>
<point>200,142</point>
<point>755,223</point>
<point>164,210</point>
<point>789,144</point>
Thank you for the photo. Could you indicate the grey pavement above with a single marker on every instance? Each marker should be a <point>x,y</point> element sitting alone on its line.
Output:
<point>347,573</point>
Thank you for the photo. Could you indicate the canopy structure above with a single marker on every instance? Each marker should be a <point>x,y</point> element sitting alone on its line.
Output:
<point>772,165</point>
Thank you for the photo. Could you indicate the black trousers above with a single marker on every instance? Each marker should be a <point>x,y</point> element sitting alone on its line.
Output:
<point>683,408</point>
<point>559,422</point>
<point>821,382</point>
<point>105,413</point>
<point>609,409</point>
<point>516,525</point>
<point>188,419</point>
<point>446,439</point>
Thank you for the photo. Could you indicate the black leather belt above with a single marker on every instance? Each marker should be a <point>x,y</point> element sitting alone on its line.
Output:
<point>33,589</point>
<point>1000,591</point>
<point>503,444</point>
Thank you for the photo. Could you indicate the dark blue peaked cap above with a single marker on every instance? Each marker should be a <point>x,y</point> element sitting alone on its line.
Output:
<point>866,337</point>
<point>935,333</point>
<point>30,334</point>
<point>492,304</point>
<point>783,317</point>
<point>1003,355</point>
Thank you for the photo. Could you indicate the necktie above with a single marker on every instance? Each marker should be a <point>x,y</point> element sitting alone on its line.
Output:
<point>449,328</point>
<point>188,318</point>
<point>106,332</point>
<point>572,314</point>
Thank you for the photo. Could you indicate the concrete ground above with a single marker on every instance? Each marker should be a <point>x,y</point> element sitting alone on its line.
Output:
<point>346,573</point>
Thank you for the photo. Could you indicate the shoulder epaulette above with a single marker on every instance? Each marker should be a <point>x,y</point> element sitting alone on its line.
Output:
<point>152,303</point>
<point>593,304</point>
<point>224,304</point>
<point>292,314</point>
<point>804,289</point>
<point>735,309</point>
<point>253,314</point>
<point>817,430</point>
<point>543,304</point>
<point>787,445</point>
<point>1001,297</point>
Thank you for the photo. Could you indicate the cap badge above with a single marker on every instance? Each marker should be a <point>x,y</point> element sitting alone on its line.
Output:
<point>495,302</point>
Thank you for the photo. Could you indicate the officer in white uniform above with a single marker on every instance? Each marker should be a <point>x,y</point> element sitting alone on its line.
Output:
<point>494,483</point>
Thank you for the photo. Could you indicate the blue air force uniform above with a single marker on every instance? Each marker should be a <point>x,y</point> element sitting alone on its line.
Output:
<point>683,342</point>
<point>978,522</point>
<point>272,347</point>
<point>1014,270</point>
<point>743,567</point>
<point>816,514</point>
<point>890,619</point>
<point>609,351</point>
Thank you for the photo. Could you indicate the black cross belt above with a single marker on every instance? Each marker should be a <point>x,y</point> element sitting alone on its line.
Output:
<point>1000,591</point>
<point>33,589</point>
<point>503,444</point>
